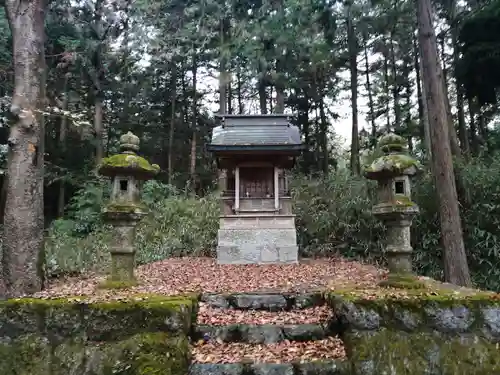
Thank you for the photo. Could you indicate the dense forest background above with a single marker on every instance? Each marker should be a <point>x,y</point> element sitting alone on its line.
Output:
<point>149,66</point>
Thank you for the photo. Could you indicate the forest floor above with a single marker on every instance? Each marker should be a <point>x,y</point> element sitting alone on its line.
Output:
<point>203,275</point>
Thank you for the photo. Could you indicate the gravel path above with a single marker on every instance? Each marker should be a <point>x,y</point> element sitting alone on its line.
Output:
<point>283,352</point>
<point>215,316</point>
<point>181,275</point>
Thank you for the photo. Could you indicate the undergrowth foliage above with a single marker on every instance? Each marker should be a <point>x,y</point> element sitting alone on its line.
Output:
<point>333,216</point>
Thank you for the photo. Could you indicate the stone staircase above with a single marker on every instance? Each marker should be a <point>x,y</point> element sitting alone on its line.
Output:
<point>266,334</point>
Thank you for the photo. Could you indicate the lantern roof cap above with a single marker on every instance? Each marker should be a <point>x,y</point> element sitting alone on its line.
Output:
<point>128,163</point>
<point>395,161</point>
<point>129,142</point>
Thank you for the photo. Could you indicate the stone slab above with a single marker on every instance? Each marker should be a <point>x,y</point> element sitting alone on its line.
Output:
<point>264,301</point>
<point>336,367</point>
<point>250,247</point>
<point>260,221</point>
<point>263,333</point>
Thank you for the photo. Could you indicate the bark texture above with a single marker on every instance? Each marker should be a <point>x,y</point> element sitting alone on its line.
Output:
<point>23,227</point>
<point>456,269</point>
<point>353,54</point>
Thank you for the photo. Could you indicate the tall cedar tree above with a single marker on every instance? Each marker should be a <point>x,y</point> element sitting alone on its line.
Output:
<point>24,216</point>
<point>456,269</point>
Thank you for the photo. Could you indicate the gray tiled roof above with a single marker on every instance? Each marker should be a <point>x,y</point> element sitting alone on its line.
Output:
<point>256,130</point>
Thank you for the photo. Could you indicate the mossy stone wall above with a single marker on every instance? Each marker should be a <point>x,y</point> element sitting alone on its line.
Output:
<point>419,332</point>
<point>145,335</point>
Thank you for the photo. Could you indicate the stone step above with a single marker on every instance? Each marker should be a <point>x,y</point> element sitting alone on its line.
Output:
<point>214,316</point>
<point>264,301</point>
<point>335,367</point>
<point>264,333</point>
<point>331,348</point>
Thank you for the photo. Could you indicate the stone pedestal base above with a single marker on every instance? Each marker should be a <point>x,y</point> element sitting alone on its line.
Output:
<point>122,268</point>
<point>257,239</point>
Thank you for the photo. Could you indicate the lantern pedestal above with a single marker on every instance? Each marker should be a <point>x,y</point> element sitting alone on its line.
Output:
<point>122,247</point>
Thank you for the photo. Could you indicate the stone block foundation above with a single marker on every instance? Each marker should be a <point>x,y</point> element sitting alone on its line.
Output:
<point>260,240</point>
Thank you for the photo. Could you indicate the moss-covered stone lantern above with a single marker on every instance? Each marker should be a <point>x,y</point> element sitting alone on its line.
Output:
<point>395,209</point>
<point>127,171</point>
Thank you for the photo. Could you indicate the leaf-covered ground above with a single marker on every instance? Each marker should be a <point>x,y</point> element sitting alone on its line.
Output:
<point>285,351</point>
<point>181,275</point>
<point>216,316</point>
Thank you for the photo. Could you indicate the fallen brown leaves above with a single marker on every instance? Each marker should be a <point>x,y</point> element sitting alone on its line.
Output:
<point>215,316</point>
<point>283,352</point>
<point>182,275</point>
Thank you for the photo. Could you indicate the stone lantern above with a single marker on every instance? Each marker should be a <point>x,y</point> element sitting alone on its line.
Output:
<point>127,171</point>
<point>395,209</point>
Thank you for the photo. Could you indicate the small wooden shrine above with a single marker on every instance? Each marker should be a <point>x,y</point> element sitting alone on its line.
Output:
<point>253,153</point>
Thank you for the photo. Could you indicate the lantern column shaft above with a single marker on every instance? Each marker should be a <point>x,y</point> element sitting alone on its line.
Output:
<point>398,247</point>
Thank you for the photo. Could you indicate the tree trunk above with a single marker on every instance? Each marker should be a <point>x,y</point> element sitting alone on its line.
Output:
<point>280,88</point>
<point>422,110</point>
<point>262,91</point>
<point>61,197</point>
<point>324,135</point>
<point>270,96</point>
<point>99,130</point>
<point>173,90</point>
<point>241,108</point>
<point>474,139</point>
<point>229,93</point>
<point>24,220</point>
<point>371,105</point>
<point>98,79</point>
<point>223,75</point>
<point>303,121</point>
<point>462,128</point>
<point>352,48</point>
<point>395,88</point>
<point>456,269</point>
<point>280,68</point>
<point>194,124</point>
<point>426,123</point>
<point>386,87</point>
<point>407,96</point>
<point>455,146</point>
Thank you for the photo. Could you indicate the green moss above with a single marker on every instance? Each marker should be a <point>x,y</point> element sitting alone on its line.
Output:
<point>395,305</point>
<point>402,200</point>
<point>392,139</point>
<point>113,284</point>
<point>429,291</point>
<point>127,162</point>
<point>414,353</point>
<point>105,320</point>
<point>145,301</point>
<point>391,165</point>
<point>141,354</point>
<point>26,356</point>
<point>125,207</point>
<point>403,281</point>
<point>152,354</point>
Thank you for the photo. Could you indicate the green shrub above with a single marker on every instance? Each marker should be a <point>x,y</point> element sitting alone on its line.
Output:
<point>334,215</point>
<point>178,225</point>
